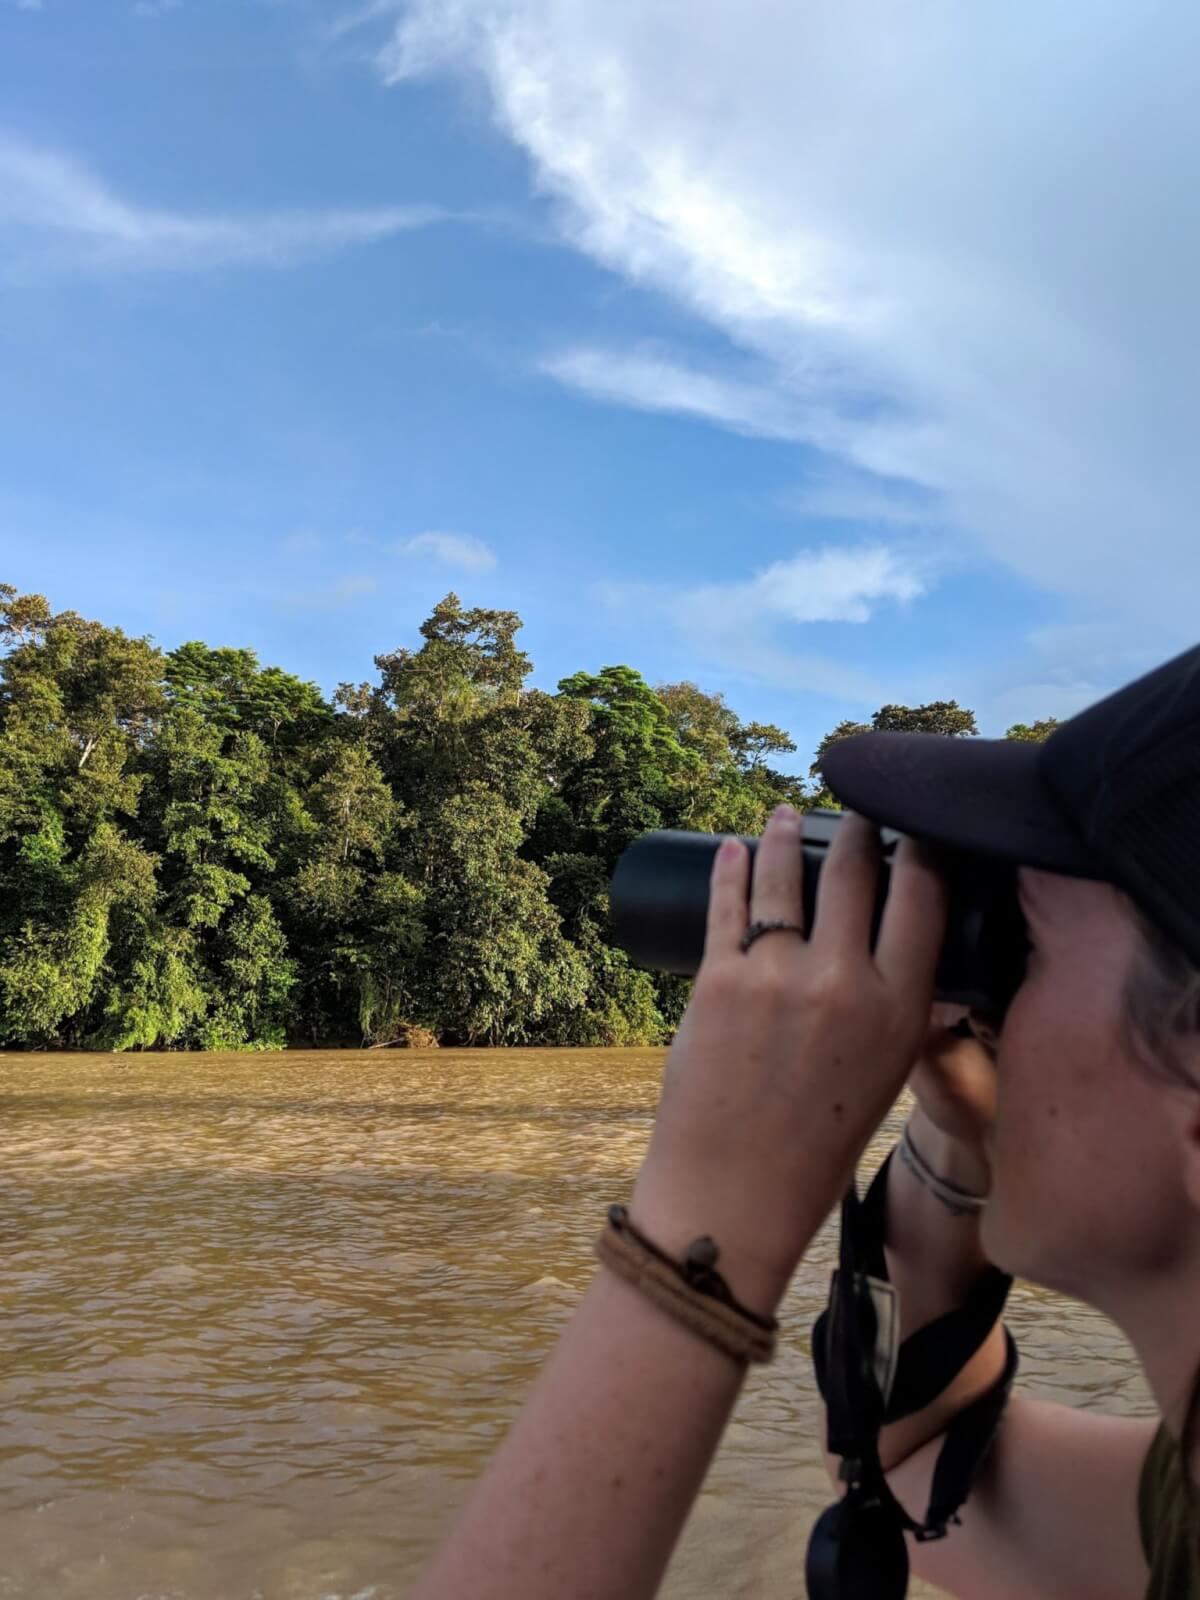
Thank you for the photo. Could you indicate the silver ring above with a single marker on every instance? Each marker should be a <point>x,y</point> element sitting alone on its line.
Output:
<point>757,929</point>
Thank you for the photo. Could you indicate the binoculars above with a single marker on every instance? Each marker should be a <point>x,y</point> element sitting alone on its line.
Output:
<point>659,909</point>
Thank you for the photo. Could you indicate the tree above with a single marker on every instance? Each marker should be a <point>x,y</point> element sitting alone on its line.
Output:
<point>732,789</point>
<point>52,960</point>
<point>353,808</point>
<point>156,996</point>
<point>78,703</point>
<point>254,977</point>
<point>232,692</point>
<point>821,796</point>
<point>944,717</point>
<point>469,660</point>
<point>1033,732</point>
<point>208,817</point>
<point>426,718</point>
<point>204,815</point>
<point>499,963</point>
<point>638,775</point>
<point>357,926</point>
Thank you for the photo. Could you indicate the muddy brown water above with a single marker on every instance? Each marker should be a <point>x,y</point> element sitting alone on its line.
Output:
<point>264,1318</point>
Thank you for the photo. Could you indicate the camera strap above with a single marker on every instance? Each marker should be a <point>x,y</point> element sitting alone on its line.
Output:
<point>868,1378</point>
<point>925,1364</point>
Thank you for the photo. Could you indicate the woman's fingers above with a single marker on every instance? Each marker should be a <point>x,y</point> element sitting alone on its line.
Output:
<point>847,888</point>
<point>914,917</point>
<point>727,899</point>
<point>776,894</point>
<point>914,922</point>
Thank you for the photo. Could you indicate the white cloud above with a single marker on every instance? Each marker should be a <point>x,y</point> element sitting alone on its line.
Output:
<point>743,625</point>
<point>655,382</point>
<point>452,549</point>
<point>155,8</point>
<point>55,212</point>
<point>958,241</point>
<point>833,584</point>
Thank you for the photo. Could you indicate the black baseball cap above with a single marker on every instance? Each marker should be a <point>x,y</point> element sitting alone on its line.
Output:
<point>1113,794</point>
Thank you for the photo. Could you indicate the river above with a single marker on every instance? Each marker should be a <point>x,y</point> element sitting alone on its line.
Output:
<point>264,1318</point>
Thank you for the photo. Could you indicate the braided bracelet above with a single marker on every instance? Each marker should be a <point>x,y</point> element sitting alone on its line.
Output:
<point>693,1292</point>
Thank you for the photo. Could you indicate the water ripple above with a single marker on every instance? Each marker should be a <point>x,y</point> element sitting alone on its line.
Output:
<point>264,1320</point>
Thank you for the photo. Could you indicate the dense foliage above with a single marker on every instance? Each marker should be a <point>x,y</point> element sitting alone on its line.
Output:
<point>199,852</point>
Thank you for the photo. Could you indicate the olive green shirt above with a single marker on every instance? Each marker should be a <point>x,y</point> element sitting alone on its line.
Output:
<point>1170,1535</point>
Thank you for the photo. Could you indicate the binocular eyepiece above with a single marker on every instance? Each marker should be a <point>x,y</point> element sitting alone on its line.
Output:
<point>659,910</point>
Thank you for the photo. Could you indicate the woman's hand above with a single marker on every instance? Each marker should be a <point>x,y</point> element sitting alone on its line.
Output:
<point>789,1055</point>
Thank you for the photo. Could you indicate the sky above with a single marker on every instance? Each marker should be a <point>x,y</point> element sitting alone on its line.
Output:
<point>824,355</point>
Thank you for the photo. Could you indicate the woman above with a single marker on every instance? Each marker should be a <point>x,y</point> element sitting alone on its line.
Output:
<point>1087,1136</point>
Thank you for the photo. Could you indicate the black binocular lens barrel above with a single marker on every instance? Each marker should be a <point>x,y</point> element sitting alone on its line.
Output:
<point>659,909</point>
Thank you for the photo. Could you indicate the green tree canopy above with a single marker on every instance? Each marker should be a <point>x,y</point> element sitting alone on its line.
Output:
<point>199,851</point>
<point>944,717</point>
<point>1033,732</point>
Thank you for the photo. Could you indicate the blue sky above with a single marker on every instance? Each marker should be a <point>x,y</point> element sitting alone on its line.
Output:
<point>835,356</point>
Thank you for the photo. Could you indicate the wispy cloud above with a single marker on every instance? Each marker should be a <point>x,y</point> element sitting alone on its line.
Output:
<point>55,212</point>
<point>155,8</point>
<point>929,288</point>
<point>451,549</point>
<point>331,597</point>
<point>1055,671</point>
<point>652,381</point>
<point>843,496</point>
<point>748,625</point>
<point>359,16</point>
<point>447,549</point>
<point>813,409</point>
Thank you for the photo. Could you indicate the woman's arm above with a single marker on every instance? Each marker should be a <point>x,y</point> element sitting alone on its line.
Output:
<point>589,1492</point>
<point>785,1063</point>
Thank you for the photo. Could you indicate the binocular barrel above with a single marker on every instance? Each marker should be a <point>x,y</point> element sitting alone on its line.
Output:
<point>659,909</point>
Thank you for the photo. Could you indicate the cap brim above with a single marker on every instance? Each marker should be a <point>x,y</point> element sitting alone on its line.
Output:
<point>985,796</point>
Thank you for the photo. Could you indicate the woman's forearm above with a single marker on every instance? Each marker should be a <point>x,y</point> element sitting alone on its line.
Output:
<point>590,1490</point>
